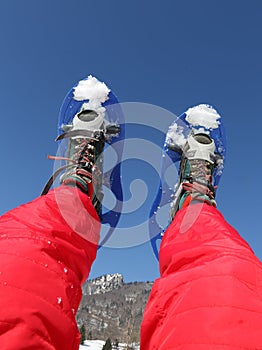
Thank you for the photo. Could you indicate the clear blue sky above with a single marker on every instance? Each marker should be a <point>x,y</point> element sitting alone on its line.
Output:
<point>173,54</point>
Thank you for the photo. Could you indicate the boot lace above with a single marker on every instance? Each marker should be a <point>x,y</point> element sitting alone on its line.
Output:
<point>200,178</point>
<point>82,161</point>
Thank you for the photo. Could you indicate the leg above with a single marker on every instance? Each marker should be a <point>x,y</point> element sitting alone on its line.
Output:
<point>210,291</point>
<point>47,248</point>
<point>209,295</point>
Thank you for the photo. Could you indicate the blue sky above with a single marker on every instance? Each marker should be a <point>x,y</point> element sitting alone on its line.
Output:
<point>171,54</point>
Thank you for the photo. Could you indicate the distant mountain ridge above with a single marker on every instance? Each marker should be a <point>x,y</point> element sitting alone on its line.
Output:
<point>112,308</point>
<point>103,284</point>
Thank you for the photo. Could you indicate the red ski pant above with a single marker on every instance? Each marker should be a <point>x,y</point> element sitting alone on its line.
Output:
<point>46,251</point>
<point>209,295</point>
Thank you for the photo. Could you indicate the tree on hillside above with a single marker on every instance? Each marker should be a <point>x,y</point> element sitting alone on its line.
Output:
<point>83,334</point>
<point>108,345</point>
<point>90,336</point>
<point>116,343</point>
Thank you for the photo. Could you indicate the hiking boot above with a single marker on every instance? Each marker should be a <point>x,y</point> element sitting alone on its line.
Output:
<point>84,156</point>
<point>196,173</point>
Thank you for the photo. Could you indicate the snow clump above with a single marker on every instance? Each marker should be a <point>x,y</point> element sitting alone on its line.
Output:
<point>203,115</point>
<point>175,135</point>
<point>93,90</point>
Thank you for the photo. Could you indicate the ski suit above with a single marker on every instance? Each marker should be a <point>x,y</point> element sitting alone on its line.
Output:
<point>46,251</point>
<point>209,295</point>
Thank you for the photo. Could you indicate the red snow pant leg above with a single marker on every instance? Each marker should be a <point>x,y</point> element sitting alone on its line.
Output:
<point>209,295</point>
<point>46,251</point>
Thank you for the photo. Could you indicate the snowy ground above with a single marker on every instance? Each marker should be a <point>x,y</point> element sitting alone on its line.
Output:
<point>92,345</point>
<point>98,345</point>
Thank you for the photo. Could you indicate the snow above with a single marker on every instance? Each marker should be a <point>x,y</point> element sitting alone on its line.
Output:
<point>93,90</point>
<point>201,119</point>
<point>205,118</point>
<point>92,345</point>
<point>175,135</point>
<point>59,300</point>
<point>98,345</point>
<point>220,167</point>
<point>203,115</point>
<point>201,130</point>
